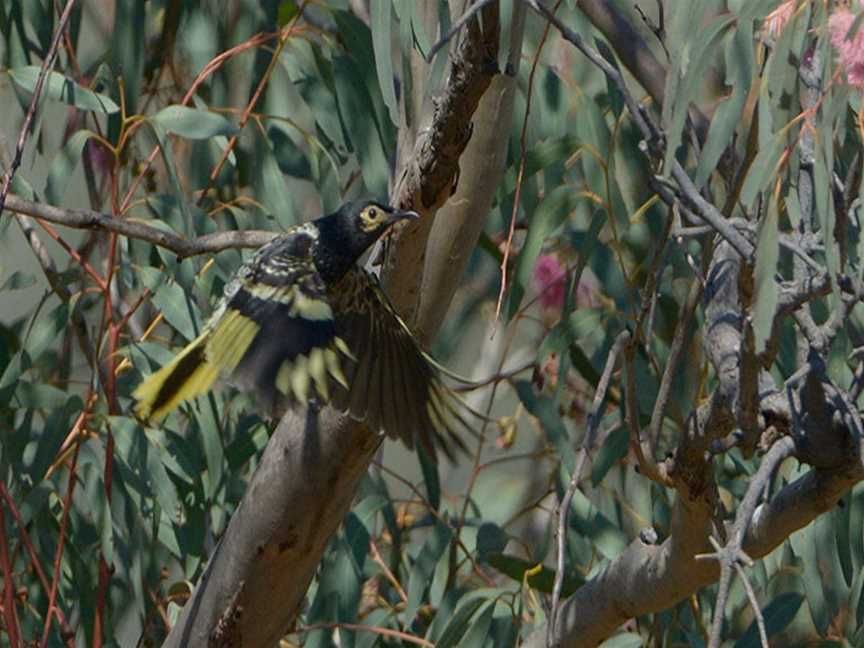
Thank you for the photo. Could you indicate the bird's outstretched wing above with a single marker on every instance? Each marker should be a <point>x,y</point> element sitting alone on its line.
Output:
<point>284,335</point>
<point>394,385</point>
<point>274,334</point>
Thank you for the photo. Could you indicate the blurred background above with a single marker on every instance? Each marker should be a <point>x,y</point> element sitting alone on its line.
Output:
<point>138,122</point>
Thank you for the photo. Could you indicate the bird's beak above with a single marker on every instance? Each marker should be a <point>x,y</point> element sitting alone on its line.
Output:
<point>399,215</point>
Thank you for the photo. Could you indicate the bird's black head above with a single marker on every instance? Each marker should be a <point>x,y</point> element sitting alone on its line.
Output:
<point>347,233</point>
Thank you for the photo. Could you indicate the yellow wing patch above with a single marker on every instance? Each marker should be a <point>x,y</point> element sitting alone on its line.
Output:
<point>296,377</point>
<point>185,377</point>
<point>301,305</point>
<point>310,308</point>
<point>230,340</point>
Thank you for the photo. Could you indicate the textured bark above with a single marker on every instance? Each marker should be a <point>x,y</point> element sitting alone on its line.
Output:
<point>670,571</point>
<point>258,576</point>
<point>97,221</point>
<point>432,174</point>
<point>648,578</point>
<point>458,223</point>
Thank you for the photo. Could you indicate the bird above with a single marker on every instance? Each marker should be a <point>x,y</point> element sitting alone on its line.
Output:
<point>301,321</point>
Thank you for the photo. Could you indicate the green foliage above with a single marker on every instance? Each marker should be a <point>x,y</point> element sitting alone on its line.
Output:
<point>453,556</point>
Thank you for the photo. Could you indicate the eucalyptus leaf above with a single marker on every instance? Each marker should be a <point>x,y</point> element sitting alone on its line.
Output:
<point>478,633</point>
<point>765,298</point>
<point>614,448</point>
<point>763,169</point>
<point>61,88</point>
<point>381,43</point>
<point>424,566</point>
<point>778,614</point>
<point>178,309</point>
<point>623,640</point>
<point>17,280</point>
<point>193,123</point>
<point>431,478</point>
<point>458,624</point>
<point>542,580</point>
<point>545,410</point>
<point>64,164</point>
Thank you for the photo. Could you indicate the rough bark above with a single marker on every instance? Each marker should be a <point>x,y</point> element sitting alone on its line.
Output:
<point>670,571</point>
<point>93,220</point>
<point>458,223</point>
<point>258,575</point>
<point>744,399</point>
<point>432,174</point>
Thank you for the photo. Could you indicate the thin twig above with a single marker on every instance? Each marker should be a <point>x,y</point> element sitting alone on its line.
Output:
<point>437,515</point>
<point>212,66</point>
<point>459,24</point>
<point>732,553</point>
<point>388,574</point>
<point>356,627</point>
<point>10,612</point>
<point>594,417</point>
<point>685,189</point>
<point>247,112</point>
<point>5,496</point>
<point>500,376</point>
<point>754,603</point>
<point>93,220</point>
<point>655,28</point>
<point>47,64</point>
<point>521,173</point>
<point>58,556</point>
<point>643,447</point>
<point>686,317</point>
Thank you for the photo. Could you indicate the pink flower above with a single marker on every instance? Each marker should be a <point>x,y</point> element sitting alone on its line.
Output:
<point>850,49</point>
<point>549,277</point>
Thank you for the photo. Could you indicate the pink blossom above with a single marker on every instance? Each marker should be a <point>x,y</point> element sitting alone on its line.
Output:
<point>850,50</point>
<point>549,277</point>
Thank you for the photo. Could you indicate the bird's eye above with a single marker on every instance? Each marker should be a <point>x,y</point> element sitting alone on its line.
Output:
<point>373,213</point>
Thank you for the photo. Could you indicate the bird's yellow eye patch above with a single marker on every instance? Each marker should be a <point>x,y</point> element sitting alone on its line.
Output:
<point>372,218</point>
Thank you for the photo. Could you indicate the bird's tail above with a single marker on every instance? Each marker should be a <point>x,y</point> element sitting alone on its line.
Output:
<point>186,376</point>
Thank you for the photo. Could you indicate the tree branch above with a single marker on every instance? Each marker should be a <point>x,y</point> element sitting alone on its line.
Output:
<point>93,220</point>
<point>732,554</point>
<point>257,578</point>
<point>432,175</point>
<point>47,64</point>
<point>671,572</point>
<point>594,416</point>
<point>458,223</point>
<point>635,54</point>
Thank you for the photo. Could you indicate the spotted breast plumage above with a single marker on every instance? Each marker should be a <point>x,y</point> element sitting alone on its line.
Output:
<point>301,320</point>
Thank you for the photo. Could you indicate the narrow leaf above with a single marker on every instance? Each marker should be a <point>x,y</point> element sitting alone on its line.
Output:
<point>62,88</point>
<point>382,46</point>
<point>192,123</point>
<point>765,299</point>
<point>63,165</point>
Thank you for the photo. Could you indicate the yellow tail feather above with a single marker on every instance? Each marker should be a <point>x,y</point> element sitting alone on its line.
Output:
<point>185,377</point>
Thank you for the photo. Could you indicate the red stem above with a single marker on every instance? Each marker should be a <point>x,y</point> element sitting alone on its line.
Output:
<point>9,611</point>
<point>64,523</point>
<point>34,558</point>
